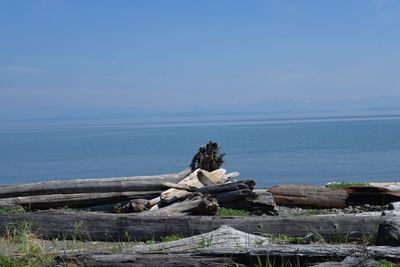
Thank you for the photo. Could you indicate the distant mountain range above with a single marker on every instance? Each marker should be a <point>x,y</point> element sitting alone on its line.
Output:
<point>379,105</point>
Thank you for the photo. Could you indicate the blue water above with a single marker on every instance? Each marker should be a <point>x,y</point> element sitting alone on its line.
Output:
<point>271,152</point>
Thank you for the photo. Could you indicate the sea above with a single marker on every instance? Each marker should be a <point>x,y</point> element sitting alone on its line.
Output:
<point>296,150</point>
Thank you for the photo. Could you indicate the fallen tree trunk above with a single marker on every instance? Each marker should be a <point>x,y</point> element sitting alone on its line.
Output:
<point>275,255</point>
<point>119,184</point>
<point>309,196</point>
<point>112,227</point>
<point>196,204</point>
<point>372,195</point>
<point>75,200</point>
<point>224,237</point>
<point>147,260</point>
<point>313,253</point>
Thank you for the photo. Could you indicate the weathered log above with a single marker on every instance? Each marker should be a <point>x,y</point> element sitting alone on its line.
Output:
<point>270,255</point>
<point>208,157</point>
<point>195,204</point>
<point>312,252</point>
<point>309,196</point>
<point>259,202</point>
<point>119,184</point>
<point>220,188</point>
<point>193,181</point>
<point>360,195</point>
<point>102,226</point>
<point>136,205</point>
<point>350,261</point>
<point>79,200</point>
<point>389,229</point>
<point>147,260</point>
<point>224,237</point>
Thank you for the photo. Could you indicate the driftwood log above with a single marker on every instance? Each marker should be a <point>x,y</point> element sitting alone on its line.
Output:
<point>120,184</point>
<point>113,227</point>
<point>195,204</point>
<point>309,196</point>
<point>75,200</point>
<point>224,237</point>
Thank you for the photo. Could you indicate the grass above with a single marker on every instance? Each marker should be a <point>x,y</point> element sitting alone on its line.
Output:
<point>10,210</point>
<point>385,263</point>
<point>286,239</point>
<point>169,238</point>
<point>346,184</point>
<point>232,212</point>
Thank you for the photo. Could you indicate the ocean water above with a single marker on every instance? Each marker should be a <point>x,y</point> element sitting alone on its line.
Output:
<point>312,151</point>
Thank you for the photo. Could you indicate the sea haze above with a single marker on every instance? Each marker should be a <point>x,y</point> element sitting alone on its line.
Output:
<point>271,151</point>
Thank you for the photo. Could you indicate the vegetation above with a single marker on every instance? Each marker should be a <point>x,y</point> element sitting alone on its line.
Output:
<point>385,263</point>
<point>118,208</point>
<point>346,184</point>
<point>169,238</point>
<point>232,212</point>
<point>287,239</point>
<point>11,210</point>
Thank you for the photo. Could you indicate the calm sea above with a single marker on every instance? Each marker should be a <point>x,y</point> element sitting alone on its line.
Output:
<point>314,151</point>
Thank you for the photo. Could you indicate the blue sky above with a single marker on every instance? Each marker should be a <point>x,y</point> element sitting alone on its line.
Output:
<point>64,56</point>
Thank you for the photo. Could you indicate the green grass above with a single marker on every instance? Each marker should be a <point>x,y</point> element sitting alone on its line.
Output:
<point>286,239</point>
<point>232,212</point>
<point>169,238</point>
<point>11,210</point>
<point>385,263</point>
<point>346,184</point>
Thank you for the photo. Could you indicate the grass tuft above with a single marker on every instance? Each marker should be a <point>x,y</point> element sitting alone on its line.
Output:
<point>346,184</point>
<point>386,263</point>
<point>169,238</point>
<point>232,212</point>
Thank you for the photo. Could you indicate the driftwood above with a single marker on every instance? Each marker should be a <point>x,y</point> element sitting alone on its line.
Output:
<point>195,204</point>
<point>350,261</point>
<point>389,229</point>
<point>208,157</point>
<point>147,260</point>
<point>75,200</point>
<point>192,181</point>
<point>259,202</point>
<point>319,197</point>
<point>224,237</point>
<point>112,227</point>
<point>305,253</point>
<point>309,196</point>
<point>372,195</point>
<point>120,184</point>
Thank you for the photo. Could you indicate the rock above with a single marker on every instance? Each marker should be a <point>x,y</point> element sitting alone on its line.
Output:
<point>389,229</point>
<point>394,206</point>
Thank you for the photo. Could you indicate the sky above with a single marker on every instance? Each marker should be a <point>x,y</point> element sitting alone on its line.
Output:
<point>63,57</point>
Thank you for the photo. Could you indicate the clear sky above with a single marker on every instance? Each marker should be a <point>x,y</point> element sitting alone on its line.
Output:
<point>175,55</point>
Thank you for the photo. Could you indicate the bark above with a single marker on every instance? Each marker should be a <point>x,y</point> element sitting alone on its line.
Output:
<point>309,196</point>
<point>372,195</point>
<point>119,184</point>
<point>195,204</point>
<point>224,237</point>
<point>304,254</point>
<point>79,200</point>
<point>389,229</point>
<point>147,260</point>
<point>112,227</point>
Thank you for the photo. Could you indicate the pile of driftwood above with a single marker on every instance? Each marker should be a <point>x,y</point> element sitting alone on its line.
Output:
<point>198,190</point>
